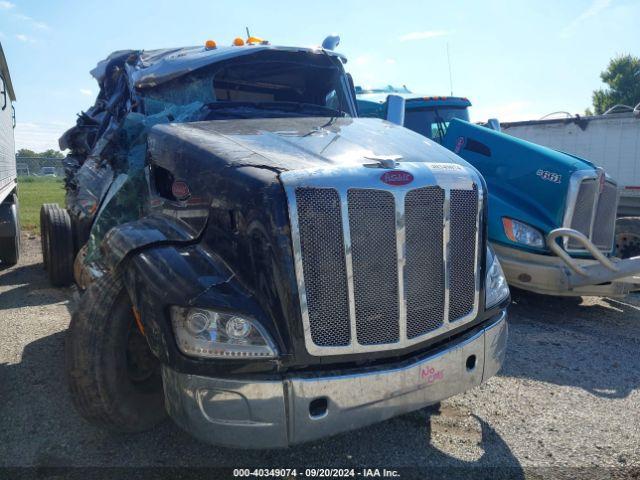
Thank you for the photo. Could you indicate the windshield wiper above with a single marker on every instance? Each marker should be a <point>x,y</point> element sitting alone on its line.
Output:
<point>312,107</point>
<point>286,107</point>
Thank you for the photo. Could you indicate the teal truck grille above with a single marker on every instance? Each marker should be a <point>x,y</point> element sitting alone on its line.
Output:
<point>594,213</point>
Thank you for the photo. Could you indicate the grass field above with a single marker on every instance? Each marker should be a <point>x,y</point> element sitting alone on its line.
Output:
<point>32,193</point>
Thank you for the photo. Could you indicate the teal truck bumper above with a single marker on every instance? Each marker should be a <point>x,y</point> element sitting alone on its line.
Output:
<point>563,275</point>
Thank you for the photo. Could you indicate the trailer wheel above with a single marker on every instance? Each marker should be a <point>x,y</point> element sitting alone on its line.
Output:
<point>628,237</point>
<point>113,376</point>
<point>10,246</point>
<point>45,210</point>
<point>57,245</point>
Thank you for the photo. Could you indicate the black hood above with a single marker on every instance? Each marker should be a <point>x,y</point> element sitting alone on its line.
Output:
<point>238,209</point>
<point>300,143</point>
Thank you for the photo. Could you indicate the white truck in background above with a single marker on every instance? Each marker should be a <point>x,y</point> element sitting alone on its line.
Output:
<point>611,141</point>
<point>9,221</point>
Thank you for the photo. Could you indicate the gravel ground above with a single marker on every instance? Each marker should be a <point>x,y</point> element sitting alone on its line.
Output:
<point>568,396</point>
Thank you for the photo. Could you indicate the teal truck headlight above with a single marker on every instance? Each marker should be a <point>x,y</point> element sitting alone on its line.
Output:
<point>210,334</point>
<point>520,232</point>
<point>496,285</point>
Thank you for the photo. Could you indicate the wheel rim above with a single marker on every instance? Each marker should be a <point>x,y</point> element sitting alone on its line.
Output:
<point>141,363</point>
<point>627,245</point>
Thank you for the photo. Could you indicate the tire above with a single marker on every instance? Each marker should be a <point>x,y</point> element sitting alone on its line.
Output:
<point>628,237</point>
<point>45,211</point>
<point>58,245</point>
<point>105,382</point>
<point>10,246</point>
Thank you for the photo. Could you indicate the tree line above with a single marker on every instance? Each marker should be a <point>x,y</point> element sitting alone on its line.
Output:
<point>622,76</point>
<point>26,153</point>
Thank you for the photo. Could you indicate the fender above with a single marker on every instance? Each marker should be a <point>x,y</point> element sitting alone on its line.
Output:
<point>162,276</point>
<point>154,229</point>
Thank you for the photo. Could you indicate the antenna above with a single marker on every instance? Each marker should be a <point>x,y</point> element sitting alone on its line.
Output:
<point>450,75</point>
<point>248,34</point>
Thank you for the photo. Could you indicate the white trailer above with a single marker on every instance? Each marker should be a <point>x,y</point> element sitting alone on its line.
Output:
<point>611,141</point>
<point>9,222</point>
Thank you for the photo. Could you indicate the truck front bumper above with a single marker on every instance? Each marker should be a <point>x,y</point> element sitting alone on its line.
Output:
<point>299,408</point>
<point>549,275</point>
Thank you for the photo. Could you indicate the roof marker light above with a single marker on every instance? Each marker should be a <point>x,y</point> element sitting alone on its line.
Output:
<point>238,42</point>
<point>254,40</point>
<point>210,45</point>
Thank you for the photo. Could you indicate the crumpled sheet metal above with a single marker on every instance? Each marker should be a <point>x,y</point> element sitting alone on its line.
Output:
<point>122,198</point>
<point>90,182</point>
<point>151,68</point>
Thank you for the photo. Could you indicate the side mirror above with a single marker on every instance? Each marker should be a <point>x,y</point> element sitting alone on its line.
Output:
<point>494,124</point>
<point>395,109</point>
<point>331,42</point>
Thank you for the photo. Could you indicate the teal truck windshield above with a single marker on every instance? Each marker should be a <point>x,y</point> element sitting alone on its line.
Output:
<point>433,122</point>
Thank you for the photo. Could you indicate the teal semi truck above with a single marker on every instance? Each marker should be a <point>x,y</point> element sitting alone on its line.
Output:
<point>552,215</point>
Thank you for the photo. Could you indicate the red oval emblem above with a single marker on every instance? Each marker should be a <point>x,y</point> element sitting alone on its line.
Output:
<point>396,177</point>
<point>180,190</point>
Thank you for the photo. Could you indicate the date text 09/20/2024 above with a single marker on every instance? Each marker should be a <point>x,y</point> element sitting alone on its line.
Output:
<point>316,472</point>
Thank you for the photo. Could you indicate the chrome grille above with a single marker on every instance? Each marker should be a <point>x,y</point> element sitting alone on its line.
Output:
<point>372,224</point>
<point>424,277</point>
<point>463,248</point>
<point>605,222</point>
<point>591,211</point>
<point>583,211</point>
<point>320,225</point>
<point>382,267</point>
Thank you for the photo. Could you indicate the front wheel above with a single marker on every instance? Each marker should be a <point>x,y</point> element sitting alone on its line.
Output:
<point>113,376</point>
<point>627,237</point>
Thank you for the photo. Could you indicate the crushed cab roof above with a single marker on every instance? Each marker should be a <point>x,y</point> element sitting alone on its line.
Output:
<point>149,68</point>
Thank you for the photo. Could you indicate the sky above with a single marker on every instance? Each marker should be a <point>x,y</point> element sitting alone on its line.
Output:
<point>515,60</point>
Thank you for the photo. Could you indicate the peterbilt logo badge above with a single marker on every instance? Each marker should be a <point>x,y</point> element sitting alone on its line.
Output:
<point>396,177</point>
<point>180,190</point>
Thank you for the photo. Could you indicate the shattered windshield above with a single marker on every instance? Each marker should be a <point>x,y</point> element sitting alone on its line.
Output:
<point>303,85</point>
<point>433,122</point>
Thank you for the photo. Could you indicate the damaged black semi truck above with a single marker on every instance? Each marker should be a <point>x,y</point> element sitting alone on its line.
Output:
<point>257,261</point>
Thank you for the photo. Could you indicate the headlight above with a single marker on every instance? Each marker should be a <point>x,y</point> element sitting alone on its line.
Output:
<point>206,333</point>
<point>496,288</point>
<point>522,233</point>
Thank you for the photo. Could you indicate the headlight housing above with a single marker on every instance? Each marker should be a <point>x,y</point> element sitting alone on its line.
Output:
<point>206,333</point>
<point>520,232</point>
<point>496,288</point>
